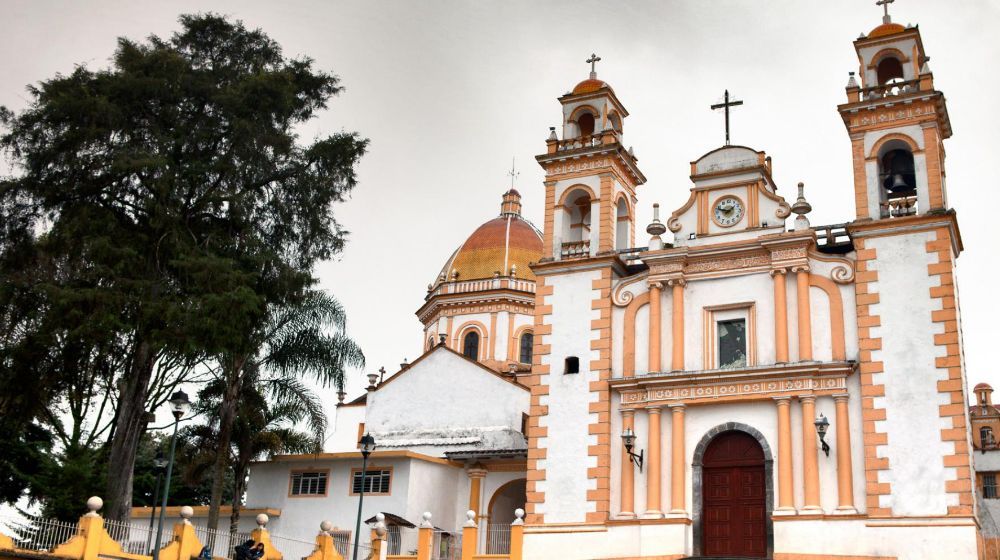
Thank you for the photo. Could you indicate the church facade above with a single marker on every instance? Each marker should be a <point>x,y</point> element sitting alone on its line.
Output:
<point>744,384</point>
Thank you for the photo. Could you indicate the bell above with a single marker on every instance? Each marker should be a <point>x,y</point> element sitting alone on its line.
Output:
<point>898,184</point>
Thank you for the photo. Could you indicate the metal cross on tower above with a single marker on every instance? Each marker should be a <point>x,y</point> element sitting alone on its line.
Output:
<point>725,105</point>
<point>593,60</point>
<point>885,6</point>
<point>513,174</point>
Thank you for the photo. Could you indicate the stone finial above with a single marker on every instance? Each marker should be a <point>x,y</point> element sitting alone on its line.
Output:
<point>427,520</point>
<point>94,503</point>
<point>656,229</point>
<point>341,395</point>
<point>262,520</point>
<point>470,519</point>
<point>187,512</point>
<point>552,133</point>
<point>801,208</point>
<point>325,527</point>
<point>851,82</point>
<point>430,287</point>
<point>518,517</point>
<point>513,271</point>
<point>454,274</point>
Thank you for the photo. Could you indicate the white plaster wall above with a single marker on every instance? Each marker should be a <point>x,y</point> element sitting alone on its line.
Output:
<point>734,157</point>
<point>986,462</point>
<point>445,391</point>
<point>300,516</point>
<point>916,473</point>
<point>908,541</point>
<point>431,488</point>
<point>821,317</point>
<point>345,429</point>
<point>566,463</point>
<point>617,340</point>
<point>819,309</point>
<point>623,541</point>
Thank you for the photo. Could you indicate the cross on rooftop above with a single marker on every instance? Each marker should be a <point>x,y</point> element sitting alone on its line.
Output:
<point>513,174</point>
<point>725,105</point>
<point>885,6</point>
<point>593,60</point>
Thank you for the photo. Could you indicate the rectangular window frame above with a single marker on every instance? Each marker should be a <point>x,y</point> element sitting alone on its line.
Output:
<point>711,317</point>
<point>989,486</point>
<point>355,471</point>
<point>291,479</point>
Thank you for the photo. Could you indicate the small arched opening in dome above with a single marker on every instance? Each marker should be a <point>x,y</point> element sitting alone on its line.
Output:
<point>470,345</point>
<point>576,215</point>
<point>623,225</point>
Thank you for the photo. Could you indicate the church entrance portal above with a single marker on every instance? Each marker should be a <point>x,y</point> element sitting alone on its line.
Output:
<point>734,508</point>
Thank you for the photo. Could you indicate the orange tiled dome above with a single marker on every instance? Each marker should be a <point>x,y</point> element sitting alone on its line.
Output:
<point>983,386</point>
<point>589,86</point>
<point>886,29</point>
<point>496,246</point>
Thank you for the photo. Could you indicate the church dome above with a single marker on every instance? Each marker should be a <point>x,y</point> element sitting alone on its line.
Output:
<point>590,86</point>
<point>498,245</point>
<point>982,386</point>
<point>886,29</point>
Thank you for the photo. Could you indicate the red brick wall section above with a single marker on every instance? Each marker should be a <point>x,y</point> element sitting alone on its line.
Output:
<point>953,384</point>
<point>537,410</point>
<point>871,385</point>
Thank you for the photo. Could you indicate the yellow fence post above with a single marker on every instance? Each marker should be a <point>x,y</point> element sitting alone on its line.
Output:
<point>93,541</point>
<point>185,544</point>
<point>260,535</point>
<point>325,549</point>
<point>6,543</point>
<point>470,535</point>
<point>425,538</point>
<point>517,535</point>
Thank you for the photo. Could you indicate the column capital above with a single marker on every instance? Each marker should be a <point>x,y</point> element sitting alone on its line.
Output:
<point>807,398</point>
<point>676,281</point>
<point>477,471</point>
<point>782,401</point>
<point>841,397</point>
<point>801,268</point>
<point>655,284</point>
<point>627,412</point>
<point>654,409</point>
<point>777,271</point>
<point>677,407</point>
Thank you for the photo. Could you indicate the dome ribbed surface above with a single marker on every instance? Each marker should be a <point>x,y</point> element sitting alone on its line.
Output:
<point>886,29</point>
<point>589,86</point>
<point>496,246</point>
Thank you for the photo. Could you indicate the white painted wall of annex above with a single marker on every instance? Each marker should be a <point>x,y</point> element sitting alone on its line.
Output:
<point>566,463</point>
<point>344,434</point>
<point>916,473</point>
<point>859,538</point>
<point>449,391</point>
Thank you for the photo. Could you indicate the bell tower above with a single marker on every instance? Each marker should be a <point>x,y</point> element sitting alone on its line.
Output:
<point>591,177</point>
<point>897,122</point>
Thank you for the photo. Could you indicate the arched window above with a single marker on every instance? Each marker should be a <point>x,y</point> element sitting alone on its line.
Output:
<point>623,226</point>
<point>889,70</point>
<point>430,343</point>
<point>527,346</point>
<point>586,124</point>
<point>470,345</point>
<point>985,438</point>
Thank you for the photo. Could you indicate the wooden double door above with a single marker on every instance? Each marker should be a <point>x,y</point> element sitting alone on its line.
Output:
<point>734,507</point>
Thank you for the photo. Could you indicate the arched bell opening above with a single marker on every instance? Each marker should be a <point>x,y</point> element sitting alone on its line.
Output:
<point>889,71</point>
<point>576,218</point>
<point>897,179</point>
<point>623,225</point>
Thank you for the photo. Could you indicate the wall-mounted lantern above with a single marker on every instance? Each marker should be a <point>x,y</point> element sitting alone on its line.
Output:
<point>628,438</point>
<point>822,424</point>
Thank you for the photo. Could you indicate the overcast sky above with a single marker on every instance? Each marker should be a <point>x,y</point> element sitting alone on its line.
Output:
<point>449,92</point>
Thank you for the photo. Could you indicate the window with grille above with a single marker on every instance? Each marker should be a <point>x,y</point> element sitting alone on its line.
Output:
<point>470,345</point>
<point>527,343</point>
<point>376,481</point>
<point>732,343</point>
<point>309,483</point>
<point>989,485</point>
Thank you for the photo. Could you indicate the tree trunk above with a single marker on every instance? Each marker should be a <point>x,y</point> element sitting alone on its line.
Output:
<point>227,416</point>
<point>130,425</point>
<point>239,486</point>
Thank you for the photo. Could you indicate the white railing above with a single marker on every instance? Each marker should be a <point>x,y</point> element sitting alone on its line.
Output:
<point>401,541</point>
<point>221,543</point>
<point>467,286</point>
<point>35,533</point>
<point>498,538</point>
<point>576,248</point>
<point>898,207</point>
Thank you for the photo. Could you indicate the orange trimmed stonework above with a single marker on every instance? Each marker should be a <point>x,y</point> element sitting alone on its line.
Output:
<point>601,341</point>
<point>536,410</point>
<point>871,386</point>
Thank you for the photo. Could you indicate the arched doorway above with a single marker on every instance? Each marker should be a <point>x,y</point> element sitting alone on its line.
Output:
<point>734,509</point>
<point>505,500</point>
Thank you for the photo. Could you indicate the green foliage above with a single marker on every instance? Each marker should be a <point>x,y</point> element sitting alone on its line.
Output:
<point>162,208</point>
<point>189,484</point>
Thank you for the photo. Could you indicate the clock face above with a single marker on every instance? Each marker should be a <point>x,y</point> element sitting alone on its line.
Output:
<point>728,211</point>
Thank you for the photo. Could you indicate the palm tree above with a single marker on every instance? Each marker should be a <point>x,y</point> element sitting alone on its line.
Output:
<point>303,339</point>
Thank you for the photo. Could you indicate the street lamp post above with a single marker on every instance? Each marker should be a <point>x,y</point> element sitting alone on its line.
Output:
<point>367,446</point>
<point>179,405</point>
<point>159,465</point>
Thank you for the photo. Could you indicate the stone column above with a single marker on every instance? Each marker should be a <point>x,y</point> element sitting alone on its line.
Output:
<point>780,316</point>
<point>786,491</point>
<point>845,472</point>
<point>654,326</point>
<point>805,316</point>
<point>677,471</point>
<point>810,466</point>
<point>627,509</point>
<point>653,471</point>
<point>677,304</point>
